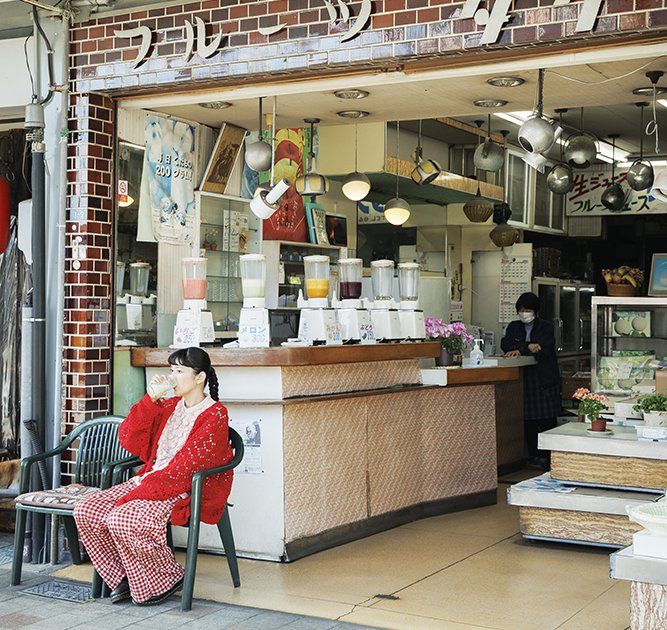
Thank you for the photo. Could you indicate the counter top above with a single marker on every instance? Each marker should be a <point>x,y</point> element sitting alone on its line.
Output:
<point>309,355</point>
<point>481,375</point>
<point>574,437</point>
<point>625,565</point>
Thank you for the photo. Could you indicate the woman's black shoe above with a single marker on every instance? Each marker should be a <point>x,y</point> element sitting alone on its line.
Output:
<point>158,599</point>
<point>121,592</point>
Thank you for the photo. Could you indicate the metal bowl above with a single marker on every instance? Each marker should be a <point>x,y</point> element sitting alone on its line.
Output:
<point>560,179</point>
<point>614,198</point>
<point>640,175</point>
<point>580,150</point>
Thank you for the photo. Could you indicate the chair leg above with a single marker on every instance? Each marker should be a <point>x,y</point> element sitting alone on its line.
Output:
<point>19,540</point>
<point>190,565</point>
<point>225,529</point>
<point>96,585</point>
<point>170,537</point>
<point>72,538</point>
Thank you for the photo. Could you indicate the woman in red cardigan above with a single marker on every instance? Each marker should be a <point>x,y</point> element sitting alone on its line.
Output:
<point>124,528</point>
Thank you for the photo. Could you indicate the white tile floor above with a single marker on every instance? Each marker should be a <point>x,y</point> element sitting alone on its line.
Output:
<point>461,571</point>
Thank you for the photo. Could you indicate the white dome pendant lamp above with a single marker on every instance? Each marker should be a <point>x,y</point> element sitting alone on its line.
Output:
<point>397,210</point>
<point>258,154</point>
<point>356,185</point>
<point>311,184</point>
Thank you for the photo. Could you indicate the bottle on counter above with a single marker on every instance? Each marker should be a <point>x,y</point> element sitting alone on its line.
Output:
<point>476,355</point>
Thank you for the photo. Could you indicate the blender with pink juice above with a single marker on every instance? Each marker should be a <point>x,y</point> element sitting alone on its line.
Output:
<point>194,278</point>
<point>194,322</point>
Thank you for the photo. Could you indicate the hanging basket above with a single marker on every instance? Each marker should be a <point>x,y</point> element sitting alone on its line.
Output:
<point>477,209</point>
<point>622,290</point>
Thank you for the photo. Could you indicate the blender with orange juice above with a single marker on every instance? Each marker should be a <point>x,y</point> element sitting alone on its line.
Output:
<point>194,322</point>
<point>317,324</point>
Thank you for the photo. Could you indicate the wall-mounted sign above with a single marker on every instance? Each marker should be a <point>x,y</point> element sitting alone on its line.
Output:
<point>585,198</point>
<point>370,212</point>
<point>492,19</point>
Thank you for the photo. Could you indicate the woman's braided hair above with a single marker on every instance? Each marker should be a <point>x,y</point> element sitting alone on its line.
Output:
<point>199,361</point>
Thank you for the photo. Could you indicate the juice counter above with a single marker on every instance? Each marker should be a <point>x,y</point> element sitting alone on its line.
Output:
<point>342,442</point>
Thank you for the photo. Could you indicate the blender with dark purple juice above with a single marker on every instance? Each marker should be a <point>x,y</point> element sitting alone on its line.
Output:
<point>350,270</point>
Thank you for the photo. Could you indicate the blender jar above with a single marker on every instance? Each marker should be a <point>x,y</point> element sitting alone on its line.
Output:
<point>139,272</point>
<point>194,278</point>
<point>317,276</point>
<point>408,281</point>
<point>382,274</point>
<point>350,270</point>
<point>120,277</point>
<point>253,275</point>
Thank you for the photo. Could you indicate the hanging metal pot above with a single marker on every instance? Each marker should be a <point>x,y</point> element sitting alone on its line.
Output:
<point>560,179</point>
<point>614,198</point>
<point>640,175</point>
<point>489,156</point>
<point>580,149</point>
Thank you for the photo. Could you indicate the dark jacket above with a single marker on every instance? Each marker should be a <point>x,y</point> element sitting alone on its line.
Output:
<point>542,334</point>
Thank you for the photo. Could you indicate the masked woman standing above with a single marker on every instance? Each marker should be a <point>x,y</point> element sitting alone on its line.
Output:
<point>531,335</point>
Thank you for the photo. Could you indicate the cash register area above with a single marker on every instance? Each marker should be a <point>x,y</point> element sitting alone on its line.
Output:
<point>468,570</point>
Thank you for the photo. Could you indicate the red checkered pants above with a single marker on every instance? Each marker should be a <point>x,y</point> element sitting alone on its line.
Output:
<point>130,540</point>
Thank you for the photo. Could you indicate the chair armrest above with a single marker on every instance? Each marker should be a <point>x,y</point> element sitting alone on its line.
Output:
<point>111,471</point>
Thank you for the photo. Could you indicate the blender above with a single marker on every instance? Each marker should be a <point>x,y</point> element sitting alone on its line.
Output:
<point>139,306</point>
<point>254,329</point>
<point>121,301</point>
<point>409,314</point>
<point>194,322</point>
<point>355,321</point>
<point>317,324</point>
<point>384,316</point>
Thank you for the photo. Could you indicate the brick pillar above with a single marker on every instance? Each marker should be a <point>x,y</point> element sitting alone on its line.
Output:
<point>88,262</point>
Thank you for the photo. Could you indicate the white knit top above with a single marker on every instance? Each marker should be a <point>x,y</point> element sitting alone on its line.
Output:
<point>176,431</point>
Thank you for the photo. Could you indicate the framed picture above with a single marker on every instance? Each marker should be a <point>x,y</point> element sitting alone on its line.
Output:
<point>223,159</point>
<point>337,229</point>
<point>657,286</point>
<point>317,224</point>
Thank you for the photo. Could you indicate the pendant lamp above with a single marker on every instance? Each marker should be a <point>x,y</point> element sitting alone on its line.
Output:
<point>425,171</point>
<point>489,156</point>
<point>503,235</point>
<point>613,198</point>
<point>580,148</point>
<point>560,179</point>
<point>640,174</point>
<point>397,210</point>
<point>356,185</point>
<point>311,184</point>
<point>258,154</point>
<point>477,209</point>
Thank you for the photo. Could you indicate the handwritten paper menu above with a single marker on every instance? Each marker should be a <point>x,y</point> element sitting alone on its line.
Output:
<point>514,280</point>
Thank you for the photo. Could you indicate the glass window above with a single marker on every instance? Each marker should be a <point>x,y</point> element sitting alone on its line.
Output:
<point>542,200</point>
<point>516,182</point>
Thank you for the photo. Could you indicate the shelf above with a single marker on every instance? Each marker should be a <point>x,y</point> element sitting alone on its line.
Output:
<point>211,275</point>
<point>222,251</point>
<point>631,338</point>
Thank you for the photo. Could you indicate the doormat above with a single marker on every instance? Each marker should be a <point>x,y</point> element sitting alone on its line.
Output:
<point>58,589</point>
<point>6,555</point>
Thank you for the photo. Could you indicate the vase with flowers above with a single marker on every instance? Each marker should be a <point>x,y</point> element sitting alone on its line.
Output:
<point>590,406</point>
<point>453,339</point>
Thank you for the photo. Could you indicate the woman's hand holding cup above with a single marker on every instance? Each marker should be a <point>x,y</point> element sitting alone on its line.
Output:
<point>158,386</point>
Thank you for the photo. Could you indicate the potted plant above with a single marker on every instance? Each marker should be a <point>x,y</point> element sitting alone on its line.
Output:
<point>453,340</point>
<point>653,408</point>
<point>590,406</point>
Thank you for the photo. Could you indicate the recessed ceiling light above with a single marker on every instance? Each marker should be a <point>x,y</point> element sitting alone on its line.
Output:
<point>351,94</point>
<point>648,90</point>
<point>352,113</point>
<point>489,102</point>
<point>215,105</point>
<point>505,81</point>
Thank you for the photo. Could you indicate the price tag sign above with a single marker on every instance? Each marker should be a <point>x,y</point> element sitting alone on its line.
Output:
<point>123,191</point>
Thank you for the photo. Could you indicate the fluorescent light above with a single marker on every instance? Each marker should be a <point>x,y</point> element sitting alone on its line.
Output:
<point>652,162</point>
<point>516,118</point>
<point>663,101</point>
<point>606,151</point>
<point>604,158</point>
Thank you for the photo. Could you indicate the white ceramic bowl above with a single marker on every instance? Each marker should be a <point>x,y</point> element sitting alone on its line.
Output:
<point>651,516</point>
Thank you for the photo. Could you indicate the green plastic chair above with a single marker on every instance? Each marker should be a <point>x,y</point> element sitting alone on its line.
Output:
<point>224,524</point>
<point>98,450</point>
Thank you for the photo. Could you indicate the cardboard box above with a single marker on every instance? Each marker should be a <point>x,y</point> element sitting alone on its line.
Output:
<point>661,382</point>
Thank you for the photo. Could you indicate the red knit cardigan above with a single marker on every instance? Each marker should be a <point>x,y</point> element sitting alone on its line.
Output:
<point>207,446</point>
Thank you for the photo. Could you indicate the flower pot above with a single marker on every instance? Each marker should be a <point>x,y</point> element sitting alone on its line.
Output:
<point>446,358</point>
<point>655,418</point>
<point>581,417</point>
<point>599,424</point>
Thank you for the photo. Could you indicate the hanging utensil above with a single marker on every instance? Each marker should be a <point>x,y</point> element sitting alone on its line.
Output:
<point>489,156</point>
<point>581,148</point>
<point>640,174</point>
<point>560,179</point>
<point>613,198</point>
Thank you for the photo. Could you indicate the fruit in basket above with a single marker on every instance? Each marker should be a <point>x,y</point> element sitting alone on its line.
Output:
<point>624,275</point>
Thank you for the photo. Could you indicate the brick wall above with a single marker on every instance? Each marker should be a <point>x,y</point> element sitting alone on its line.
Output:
<point>403,30</point>
<point>88,288</point>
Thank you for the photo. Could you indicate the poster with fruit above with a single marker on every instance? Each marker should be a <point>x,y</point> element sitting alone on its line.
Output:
<point>631,324</point>
<point>289,222</point>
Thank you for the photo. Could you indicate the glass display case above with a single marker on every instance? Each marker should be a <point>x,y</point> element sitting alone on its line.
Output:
<point>628,333</point>
<point>285,271</point>
<point>228,229</point>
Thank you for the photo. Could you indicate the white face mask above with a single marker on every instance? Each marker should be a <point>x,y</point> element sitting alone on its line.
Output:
<point>527,316</point>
